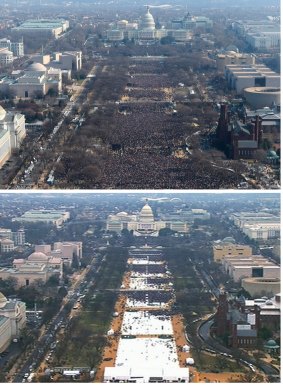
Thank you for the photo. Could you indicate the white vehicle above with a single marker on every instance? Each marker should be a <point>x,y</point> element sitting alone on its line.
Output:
<point>31,376</point>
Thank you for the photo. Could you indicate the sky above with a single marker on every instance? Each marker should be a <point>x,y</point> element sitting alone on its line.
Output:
<point>189,3</point>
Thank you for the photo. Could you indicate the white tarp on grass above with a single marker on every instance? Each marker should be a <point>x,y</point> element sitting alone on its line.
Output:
<point>147,352</point>
<point>145,323</point>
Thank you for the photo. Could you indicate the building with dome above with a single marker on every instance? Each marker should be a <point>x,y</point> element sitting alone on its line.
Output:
<point>147,30</point>
<point>66,61</point>
<point>12,320</point>
<point>40,257</point>
<point>143,223</point>
<point>147,22</point>
<point>65,251</point>
<point>12,133</point>
<point>9,51</point>
<point>271,346</point>
<point>52,259</point>
<point>28,272</point>
<point>143,30</point>
<point>9,240</point>
<point>36,81</point>
<point>17,48</point>
<point>7,245</point>
<point>43,263</point>
<point>6,56</point>
<point>190,22</point>
<point>38,266</point>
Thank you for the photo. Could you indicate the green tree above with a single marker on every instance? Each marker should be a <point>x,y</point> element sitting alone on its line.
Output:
<point>165,232</point>
<point>266,144</point>
<point>75,262</point>
<point>52,92</point>
<point>167,40</point>
<point>264,333</point>
<point>53,281</point>
<point>8,286</point>
<point>62,292</point>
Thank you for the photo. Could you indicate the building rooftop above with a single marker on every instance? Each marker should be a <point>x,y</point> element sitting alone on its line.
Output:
<point>42,24</point>
<point>250,332</point>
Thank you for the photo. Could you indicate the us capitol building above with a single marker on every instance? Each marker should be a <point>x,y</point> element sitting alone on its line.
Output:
<point>145,30</point>
<point>143,223</point>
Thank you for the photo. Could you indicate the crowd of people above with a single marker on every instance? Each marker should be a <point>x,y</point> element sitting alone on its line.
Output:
<point>147,169</point>
<point>146,141</point>
<point>149,133</point>
<point>141,93</point>
<point>148,81</point>
<point>151,297</point>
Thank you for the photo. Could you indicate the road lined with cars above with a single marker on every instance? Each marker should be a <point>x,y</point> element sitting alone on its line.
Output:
<point>27,176</point>
<point>76,101</point>
<point>46,344</point>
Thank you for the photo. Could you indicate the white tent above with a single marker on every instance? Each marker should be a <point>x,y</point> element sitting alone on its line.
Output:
<point>190,361</point>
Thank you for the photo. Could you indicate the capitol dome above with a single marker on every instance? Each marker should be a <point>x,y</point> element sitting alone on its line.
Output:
<point>3,300</point>
<point>148,22</point>
<point>37,67</point>
<point>146,214</point>
<point>2,113</point>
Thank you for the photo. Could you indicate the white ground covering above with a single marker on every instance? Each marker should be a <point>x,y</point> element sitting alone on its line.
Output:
<point>144,323</point>
<point>147,352</point>
<point>144,274</point>
<point>142,284</point>
<point>140,304</point>
<point>146,262</point>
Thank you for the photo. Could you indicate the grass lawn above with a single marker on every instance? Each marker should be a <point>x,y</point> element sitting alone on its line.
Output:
<point>181,283</point>
<point>215,363</point>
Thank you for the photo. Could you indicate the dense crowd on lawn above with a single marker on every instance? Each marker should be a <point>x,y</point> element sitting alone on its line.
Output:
<point>143,168</point>
<point>145,138</point>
